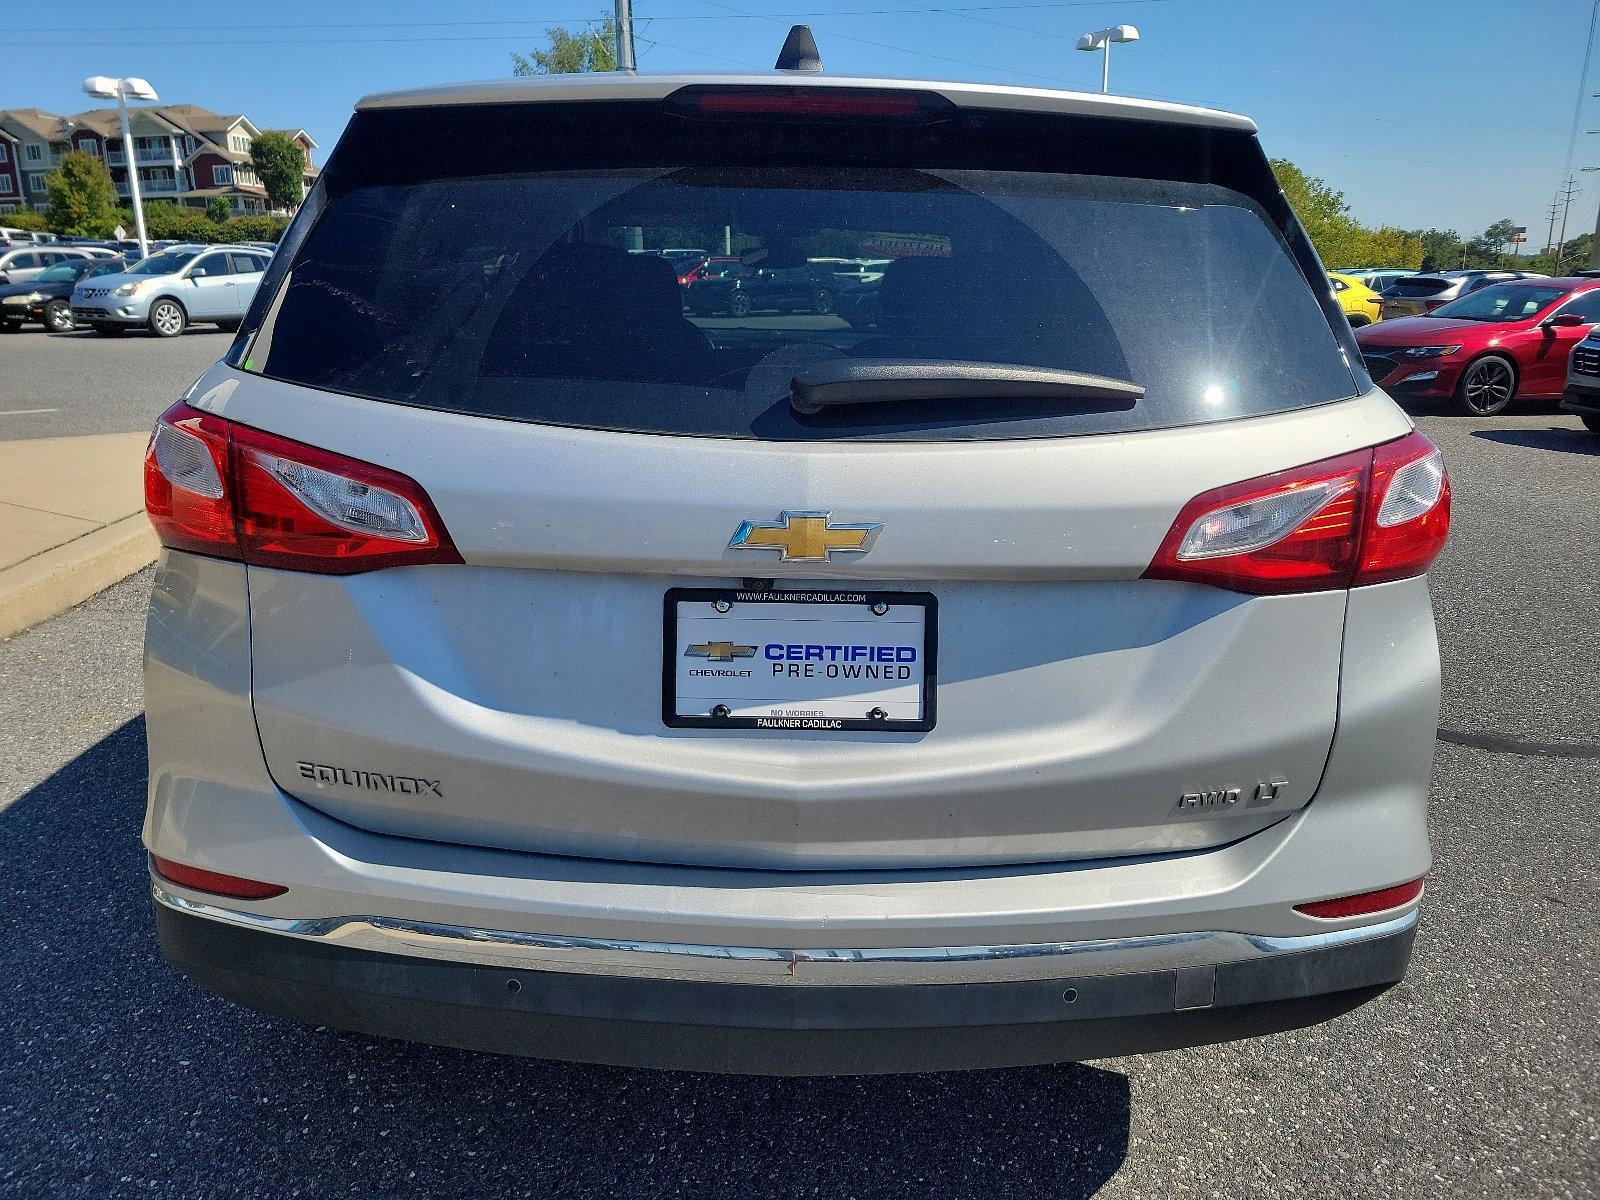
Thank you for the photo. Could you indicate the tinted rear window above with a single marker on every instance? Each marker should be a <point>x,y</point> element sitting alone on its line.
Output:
<point>522,294</point>
<point>1422,286</point>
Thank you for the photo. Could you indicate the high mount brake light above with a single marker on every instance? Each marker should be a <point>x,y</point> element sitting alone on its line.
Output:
<point>1361,518</point>
<point>223,489</point>
<point>812,101</point>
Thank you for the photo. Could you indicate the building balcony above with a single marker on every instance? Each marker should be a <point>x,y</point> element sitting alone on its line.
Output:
<point>152,187</point>
<point>145,154</point>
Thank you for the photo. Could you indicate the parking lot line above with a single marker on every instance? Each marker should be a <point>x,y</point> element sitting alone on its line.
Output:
<point>24,412</point>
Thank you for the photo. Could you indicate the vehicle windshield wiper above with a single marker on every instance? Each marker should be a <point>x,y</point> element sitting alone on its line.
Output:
<point>837,382</point>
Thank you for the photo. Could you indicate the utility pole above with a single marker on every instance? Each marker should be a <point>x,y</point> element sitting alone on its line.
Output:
<point>624,21</point>
<point>1568,193</point>
<point>1550,235</point>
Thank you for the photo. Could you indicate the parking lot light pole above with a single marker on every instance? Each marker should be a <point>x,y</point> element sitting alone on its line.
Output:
<point>104,87</point>
<point>1101,40</point>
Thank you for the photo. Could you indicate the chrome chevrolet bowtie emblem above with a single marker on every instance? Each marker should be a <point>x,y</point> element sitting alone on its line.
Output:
<point>806,537</point>
<point>719,651</point>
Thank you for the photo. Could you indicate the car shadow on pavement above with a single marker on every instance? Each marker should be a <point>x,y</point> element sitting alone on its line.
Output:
<point>121,1078</point>
<point>1556,437</point>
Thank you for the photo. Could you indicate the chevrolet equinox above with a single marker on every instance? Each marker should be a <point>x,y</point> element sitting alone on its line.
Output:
<point>1041,670</point>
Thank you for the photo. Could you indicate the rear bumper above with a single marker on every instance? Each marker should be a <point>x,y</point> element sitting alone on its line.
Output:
<point>835,1014</point>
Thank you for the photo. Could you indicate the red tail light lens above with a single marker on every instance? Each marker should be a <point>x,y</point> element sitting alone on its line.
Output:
<point>1410,511</point>
<point>1363,903</point>
<point>1358,519</point>
<point>214,882</point>
<point>219,488</point>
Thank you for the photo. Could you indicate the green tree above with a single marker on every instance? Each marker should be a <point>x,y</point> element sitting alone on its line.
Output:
<point>163,220</point>
<point>218,209</point>
<point>1441,248</point>
<point>1340,240</point>
<point>25,218</point>
<point>593,49</point>
<point>254,228</point>
<point>281,164</point>
<point>83,200</point>
<point>1499,234</point>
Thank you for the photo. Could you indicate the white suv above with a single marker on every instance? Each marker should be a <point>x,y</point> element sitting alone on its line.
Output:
<point>173,289</point>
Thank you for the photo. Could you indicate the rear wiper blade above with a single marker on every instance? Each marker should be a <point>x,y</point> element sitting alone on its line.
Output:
<point>836,382</point>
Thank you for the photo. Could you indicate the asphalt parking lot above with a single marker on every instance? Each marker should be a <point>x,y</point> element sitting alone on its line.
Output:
<point>68,384</point>
<point>1478,1076</point>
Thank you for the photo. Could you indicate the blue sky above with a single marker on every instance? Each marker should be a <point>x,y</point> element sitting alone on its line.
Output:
<point>1447,113</point>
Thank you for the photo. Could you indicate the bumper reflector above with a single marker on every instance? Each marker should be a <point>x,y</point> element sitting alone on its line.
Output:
<point>214,882</point>
<point>1363,902</point>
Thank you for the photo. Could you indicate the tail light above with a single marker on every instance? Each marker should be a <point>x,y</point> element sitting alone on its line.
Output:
<point>215,882</point>
<point>1361,518</point>
<point>219,488</point>
<point>1364,903</point>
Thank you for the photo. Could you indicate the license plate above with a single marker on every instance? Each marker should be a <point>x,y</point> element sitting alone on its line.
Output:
<point>831,661</point>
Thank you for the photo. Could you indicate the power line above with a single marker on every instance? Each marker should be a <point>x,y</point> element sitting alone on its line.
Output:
<point>1577,104</point>
<point>545,21</point>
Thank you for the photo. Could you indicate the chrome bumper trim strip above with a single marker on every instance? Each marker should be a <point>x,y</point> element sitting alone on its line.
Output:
<point>751,964</point>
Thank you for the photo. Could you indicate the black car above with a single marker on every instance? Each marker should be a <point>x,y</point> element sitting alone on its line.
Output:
<point>47,297</point>
<point>741,290</point>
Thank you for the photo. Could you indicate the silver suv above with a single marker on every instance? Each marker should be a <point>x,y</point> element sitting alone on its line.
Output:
<point>173,289</point>
<point>1044,672</point>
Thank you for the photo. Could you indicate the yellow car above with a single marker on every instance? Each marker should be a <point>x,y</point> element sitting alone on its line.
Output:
<point>1360,303</point>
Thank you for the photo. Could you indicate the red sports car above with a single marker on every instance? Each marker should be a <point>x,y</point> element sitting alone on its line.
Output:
<point>1503,343</point>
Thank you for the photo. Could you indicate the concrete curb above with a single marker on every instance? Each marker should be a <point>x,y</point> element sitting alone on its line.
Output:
<point>47,584</point>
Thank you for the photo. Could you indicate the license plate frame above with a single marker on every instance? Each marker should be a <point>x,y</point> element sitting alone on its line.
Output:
<point>745,597</point>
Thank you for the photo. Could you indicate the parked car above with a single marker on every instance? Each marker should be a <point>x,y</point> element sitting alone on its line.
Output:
<point>173,289</point>
<point>856,301</point>
<point>532,669</point>
<point>26,237</point>
<point>681,259</point>
<point>1418,294</point>
<point>1506,342</point>
<point>740,291</point>
<point>23,263</point>
<point>1582,392</point>
<point>707,268</point>
<point>47,297</point>
<point>1377,278</point>
<point>1362,305</point>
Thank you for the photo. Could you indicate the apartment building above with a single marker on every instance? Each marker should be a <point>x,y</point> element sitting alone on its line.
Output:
<point>10,175</point>
<point>182,152</point>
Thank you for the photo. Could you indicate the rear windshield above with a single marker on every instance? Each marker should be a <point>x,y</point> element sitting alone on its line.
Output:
<point>1421,286</point>
<point>559,294</point>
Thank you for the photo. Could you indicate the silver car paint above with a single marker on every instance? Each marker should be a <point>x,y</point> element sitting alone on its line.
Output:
<point>1073,752</point>
<point>214,805</point>
<point>1077,707</point>
<point>611,85</point>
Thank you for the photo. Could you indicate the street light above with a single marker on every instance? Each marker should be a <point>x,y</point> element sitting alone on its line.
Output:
<point>1101,40</point>
<point>104,87</point>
